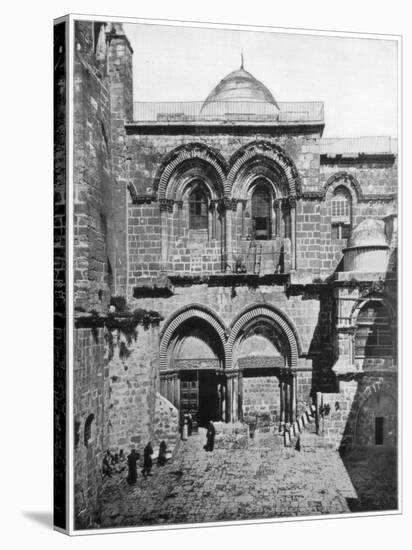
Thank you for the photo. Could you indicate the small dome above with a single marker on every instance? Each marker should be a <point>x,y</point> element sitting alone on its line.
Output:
<point>243,88</point>
<point>369,233</point>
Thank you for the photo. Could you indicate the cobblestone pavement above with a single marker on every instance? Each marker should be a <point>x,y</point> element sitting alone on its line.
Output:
<point>263,481</point>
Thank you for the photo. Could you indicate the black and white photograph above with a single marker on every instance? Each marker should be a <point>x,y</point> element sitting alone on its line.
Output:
<point>226,311</point>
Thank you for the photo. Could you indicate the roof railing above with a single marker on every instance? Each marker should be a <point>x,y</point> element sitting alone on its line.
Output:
<point>366,145</point>
<point>227,111</point>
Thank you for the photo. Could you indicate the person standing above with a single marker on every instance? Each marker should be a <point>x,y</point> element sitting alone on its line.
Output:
<point>132,459</point>
<point>189,423</point>
<point>147,460</point>
<point>210,437</point>
<point>161,459</point>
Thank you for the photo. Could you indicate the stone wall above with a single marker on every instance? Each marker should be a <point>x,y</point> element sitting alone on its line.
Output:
<point>186,250</point>
<point>317,252</point>
<point>102,102</point>
<point>148,149</point>
<point>132,382</point>
<point>59,276</point>
<point>303,311</point>
<point>376,176</point>
<point>120,78</point>
<point>92,174</point>
<point>88,404</point>
<point>165,423</point>
<point>350,418</point>
<point>261,395</point>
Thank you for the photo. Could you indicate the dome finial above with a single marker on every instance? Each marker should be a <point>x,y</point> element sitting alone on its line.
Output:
<point>241,60</point>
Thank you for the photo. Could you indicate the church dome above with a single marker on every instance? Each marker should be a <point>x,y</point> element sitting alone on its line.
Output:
<point>242,88</point>
<point>367,250</point>
<point>369,233</point>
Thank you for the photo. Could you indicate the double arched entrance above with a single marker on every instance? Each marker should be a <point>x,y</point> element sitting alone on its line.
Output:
<point>220,373</point>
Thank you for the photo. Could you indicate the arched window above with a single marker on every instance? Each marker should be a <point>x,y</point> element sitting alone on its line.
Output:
<point>341,213</point>
<point>261,212</point>
<point>89,430</point>
<point>374,335</point>
<point>198,215</point>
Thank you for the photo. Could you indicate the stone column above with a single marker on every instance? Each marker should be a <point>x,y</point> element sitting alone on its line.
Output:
<point>179,217</point>
<point>293,395</point>
<point>235,398</point>
<point>286,399</point>
<point>165,206</point>
<point>228,238</point>
<point>176,390</point>
<point>224,415</point>
<point>229,398</point>
<point>274,212</point>
<point>282,402</point>
<point>292,203</point>
<point>240,398</point>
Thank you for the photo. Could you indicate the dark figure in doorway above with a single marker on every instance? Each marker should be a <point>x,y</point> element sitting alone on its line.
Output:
<point>161,459</point>
<point>210,437</point>
<point>189,423</point>
<point>132,466</point>
<point>147,460</point>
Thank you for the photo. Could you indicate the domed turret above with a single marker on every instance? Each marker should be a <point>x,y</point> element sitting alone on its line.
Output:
<point>368,233</point>
<point>240,93</point>
<point>367,248</point>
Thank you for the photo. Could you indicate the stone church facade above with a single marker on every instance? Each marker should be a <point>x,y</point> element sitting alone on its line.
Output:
<point>228,261</point>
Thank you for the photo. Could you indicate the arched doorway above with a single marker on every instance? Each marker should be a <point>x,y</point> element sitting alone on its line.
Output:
<point>192,373</point>
<point>264,354</point>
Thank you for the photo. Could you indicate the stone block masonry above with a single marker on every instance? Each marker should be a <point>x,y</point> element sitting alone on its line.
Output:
<point>132,381</point>
<point>228,234</point>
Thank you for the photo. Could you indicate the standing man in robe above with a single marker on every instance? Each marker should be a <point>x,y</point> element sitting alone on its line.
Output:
<point>210,437</point>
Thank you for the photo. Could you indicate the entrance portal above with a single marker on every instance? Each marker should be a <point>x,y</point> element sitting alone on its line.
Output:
<point>202,394</point>
<point>194,379</point>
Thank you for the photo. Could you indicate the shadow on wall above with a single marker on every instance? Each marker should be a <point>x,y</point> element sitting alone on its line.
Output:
<point>371,457</point>
<point>363,405</point>
<point>321,349</point>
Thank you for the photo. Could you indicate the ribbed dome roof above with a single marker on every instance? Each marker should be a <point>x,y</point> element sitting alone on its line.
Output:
<point>369,233</point>
<point>241,86</point>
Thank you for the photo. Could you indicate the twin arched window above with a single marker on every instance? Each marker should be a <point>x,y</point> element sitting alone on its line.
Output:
<point>374,335</point>
<point>341,213</point>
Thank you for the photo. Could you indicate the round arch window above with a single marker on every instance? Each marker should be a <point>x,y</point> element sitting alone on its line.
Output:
<point>374,335</point>
<point>261,212</point>
<point>198,209</point>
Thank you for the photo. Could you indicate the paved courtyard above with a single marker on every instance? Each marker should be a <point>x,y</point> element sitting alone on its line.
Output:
<point>264,480</point>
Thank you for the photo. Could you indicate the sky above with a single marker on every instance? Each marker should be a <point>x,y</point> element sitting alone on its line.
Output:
<point>356,78</point>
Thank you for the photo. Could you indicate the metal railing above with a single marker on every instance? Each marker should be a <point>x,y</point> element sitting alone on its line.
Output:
<point>367,145</point>
<point>230,111</point>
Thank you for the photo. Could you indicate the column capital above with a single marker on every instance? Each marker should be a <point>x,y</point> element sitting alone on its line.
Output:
<point>226,203</point>
<point>292,202</point>
<point>232,373</point>
<point>166,205</point>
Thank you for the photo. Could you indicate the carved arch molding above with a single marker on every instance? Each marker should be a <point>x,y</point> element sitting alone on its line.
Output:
<point>228,336</point>
<point>226,173</point>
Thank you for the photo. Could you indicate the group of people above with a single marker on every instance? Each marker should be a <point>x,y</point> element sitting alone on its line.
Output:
<point>134,457</point>
<point>113,463</point>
